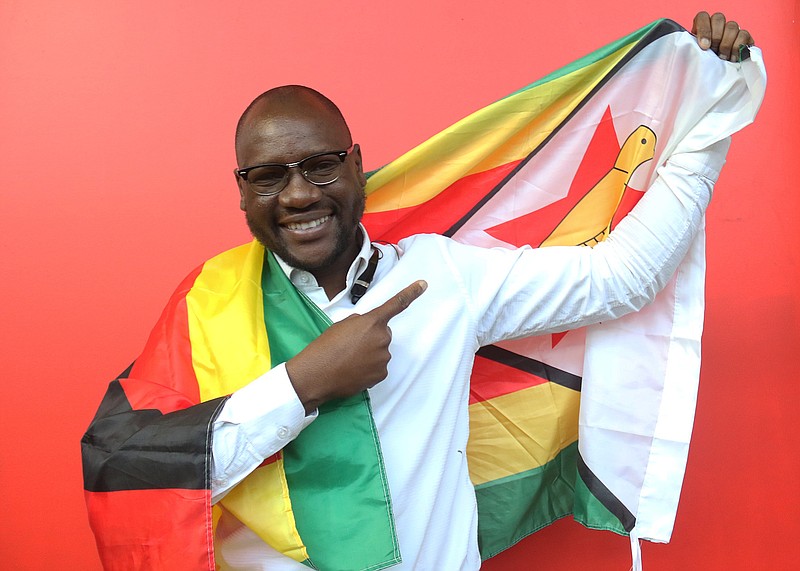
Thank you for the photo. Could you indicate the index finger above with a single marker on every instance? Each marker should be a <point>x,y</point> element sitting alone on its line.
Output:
<point>400,301</point>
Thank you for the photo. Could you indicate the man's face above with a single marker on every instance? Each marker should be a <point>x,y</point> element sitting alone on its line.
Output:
<point>314,228</point>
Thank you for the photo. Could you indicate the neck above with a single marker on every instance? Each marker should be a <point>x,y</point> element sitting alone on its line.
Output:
<point>333,277</point>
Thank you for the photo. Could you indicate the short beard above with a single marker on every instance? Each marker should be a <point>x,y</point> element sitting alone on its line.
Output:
<point>343,241</point>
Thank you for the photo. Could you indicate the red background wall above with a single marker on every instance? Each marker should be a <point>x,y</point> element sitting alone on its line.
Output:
<point>116,143</point>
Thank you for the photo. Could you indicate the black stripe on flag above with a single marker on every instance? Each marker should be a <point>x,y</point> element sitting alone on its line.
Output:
<point>604,496</point>
<point>532,366</point>
<point>126,449</point>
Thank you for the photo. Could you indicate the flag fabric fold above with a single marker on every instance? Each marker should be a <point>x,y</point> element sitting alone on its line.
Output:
<point>594,422</point>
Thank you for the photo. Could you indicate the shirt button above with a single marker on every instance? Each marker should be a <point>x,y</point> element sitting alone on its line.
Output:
<point>283,432</point>
<point>303,279</point>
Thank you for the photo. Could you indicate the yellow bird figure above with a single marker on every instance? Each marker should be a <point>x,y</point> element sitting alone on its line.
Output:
<point>589,221</point>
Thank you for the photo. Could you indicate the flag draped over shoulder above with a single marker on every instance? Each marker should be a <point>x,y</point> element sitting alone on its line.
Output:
<point>559,162</point>
<point>594,422</point>
<point>146,455</point>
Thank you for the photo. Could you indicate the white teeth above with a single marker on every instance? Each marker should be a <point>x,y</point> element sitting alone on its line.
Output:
<point>307,225</point>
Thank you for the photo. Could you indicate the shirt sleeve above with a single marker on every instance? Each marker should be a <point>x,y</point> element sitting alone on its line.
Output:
<point>257,421</point>
<point>529,291</point>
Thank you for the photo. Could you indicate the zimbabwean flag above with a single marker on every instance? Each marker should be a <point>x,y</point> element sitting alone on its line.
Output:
<point>560,162</point>
<point>594,422</point>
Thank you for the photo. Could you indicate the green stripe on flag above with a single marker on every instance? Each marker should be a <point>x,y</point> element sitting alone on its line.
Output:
<point>591,58</point>
<point>334,468</point>
<point>512,508</point>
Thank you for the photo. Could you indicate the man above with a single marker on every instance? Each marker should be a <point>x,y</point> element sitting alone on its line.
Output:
<point>301,182</point>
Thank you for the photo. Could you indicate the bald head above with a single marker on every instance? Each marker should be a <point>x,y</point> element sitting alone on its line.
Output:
<point>289,101</point>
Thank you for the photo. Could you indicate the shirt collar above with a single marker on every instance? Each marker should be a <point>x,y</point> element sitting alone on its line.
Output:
<point>306,282</point>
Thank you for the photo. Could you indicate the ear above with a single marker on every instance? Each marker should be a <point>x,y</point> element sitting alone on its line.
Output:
<point>359,168</point>
<point>240,184</point>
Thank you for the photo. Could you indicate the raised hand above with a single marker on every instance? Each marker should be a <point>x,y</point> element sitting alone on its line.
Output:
<point>349,356</point>
<point>721,36</point>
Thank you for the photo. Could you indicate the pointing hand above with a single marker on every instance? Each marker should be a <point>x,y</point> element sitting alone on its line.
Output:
<point>349,356</point>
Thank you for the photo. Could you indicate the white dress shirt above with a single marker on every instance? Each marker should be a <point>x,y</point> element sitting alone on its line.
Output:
<point>475,297</point>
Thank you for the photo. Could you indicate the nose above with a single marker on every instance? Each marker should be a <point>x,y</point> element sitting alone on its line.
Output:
<point>299,193</point>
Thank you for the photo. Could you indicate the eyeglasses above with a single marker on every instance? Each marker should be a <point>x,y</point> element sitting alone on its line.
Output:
<point>271,178</point>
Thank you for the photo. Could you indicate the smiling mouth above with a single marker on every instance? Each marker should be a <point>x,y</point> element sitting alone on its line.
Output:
<point>307,225</point>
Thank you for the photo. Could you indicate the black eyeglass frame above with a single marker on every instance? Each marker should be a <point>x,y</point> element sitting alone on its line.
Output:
<point>242,173</point>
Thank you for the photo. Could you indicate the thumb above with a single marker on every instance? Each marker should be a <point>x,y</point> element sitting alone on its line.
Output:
<point>701,27</point>
<point>400,301</point>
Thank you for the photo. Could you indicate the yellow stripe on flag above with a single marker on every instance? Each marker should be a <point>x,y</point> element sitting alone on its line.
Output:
<point>510,130</point>
<point>267,490</point>
<point>226,297</point>
<point>530,427</point>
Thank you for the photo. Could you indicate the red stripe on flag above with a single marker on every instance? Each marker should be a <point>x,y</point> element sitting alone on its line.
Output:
<point>146,395</point>
<point>491,379</point>
<point>439,213</point>
<point>270,459</point>
<point>167,355</point>
<point>152,529</point>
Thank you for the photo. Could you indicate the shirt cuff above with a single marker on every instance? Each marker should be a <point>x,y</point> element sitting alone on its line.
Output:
<point>268,410</point>
<point>257,421</point>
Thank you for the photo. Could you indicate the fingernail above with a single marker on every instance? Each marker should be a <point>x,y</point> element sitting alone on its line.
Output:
<point>723,56</point>
<point>705,43</point>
